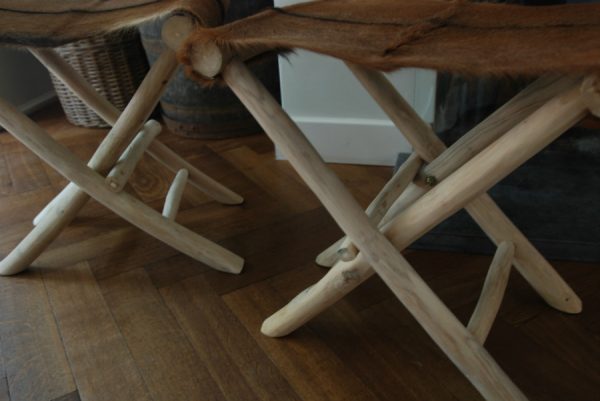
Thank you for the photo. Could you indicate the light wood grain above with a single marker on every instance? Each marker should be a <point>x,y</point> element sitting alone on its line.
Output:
<point>492,294</point>
<point>174,195</point>
<point>494,126</point>
<point>129,159</point>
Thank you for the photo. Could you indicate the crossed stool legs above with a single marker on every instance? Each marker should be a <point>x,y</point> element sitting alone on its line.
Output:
<point>530,122</point>
<point>87,180</point>
<point>552,106</point>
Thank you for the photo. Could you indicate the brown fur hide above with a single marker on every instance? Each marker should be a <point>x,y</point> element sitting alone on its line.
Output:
<point>457,36</point>
<point>53,22</point>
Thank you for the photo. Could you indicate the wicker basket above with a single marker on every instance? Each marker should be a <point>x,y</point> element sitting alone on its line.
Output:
<point>114,64</point>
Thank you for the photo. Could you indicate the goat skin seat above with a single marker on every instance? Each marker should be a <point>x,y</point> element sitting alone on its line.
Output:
<point>40,23</point>
<point>456,36</point>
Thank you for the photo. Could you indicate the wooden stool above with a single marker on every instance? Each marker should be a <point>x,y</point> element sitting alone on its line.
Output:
<point>117,157</point>
<point>433,183</point>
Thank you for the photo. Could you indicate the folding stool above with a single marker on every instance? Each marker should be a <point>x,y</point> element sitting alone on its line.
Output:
<point>117,157</point>
<point>435,182</point>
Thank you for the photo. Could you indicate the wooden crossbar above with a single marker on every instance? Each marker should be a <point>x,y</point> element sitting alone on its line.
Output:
<point>493,291</point>
<point>124,167</point>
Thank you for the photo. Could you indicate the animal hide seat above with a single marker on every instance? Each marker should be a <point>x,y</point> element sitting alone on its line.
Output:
<point>456,36</point>
<point>54,22</point>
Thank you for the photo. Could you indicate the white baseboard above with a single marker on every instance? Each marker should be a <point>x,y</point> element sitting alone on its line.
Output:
<point>38,102</point>
<point>353,141</point>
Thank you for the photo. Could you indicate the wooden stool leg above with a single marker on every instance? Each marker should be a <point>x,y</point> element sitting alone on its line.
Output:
<point>72,198</point>
<point>431,313</point>
<point>110,114</point>
<point>496,280</point>
<point>377,209</point>
<point>126,206</point>
<point>38,239</point>
<point>529,262</point>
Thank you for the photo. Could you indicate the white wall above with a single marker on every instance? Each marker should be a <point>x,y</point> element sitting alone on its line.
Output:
<point>24,82</point>
<point>336,114</point>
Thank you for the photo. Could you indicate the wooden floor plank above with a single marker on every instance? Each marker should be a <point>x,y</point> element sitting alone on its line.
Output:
<point>276,248</point>
<point>540,374</point>
<point>235,360</point>
<point>26,171</point>
<point>313,370</point>
<point>6,184</point>
<point>32,349</point>
<point>275,177</point>
<point>4,392</point>
<point>397,328</point>
<point>74,396</point>
<point>100,360</point>
<point>22,208</point>
<point>169,365</point>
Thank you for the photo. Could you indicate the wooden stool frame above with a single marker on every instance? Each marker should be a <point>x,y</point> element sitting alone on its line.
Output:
<point>434,183</point>
<point>87,181</point>
<point>464,188</point>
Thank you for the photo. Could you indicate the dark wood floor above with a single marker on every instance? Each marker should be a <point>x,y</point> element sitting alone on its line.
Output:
<point>145,323</point>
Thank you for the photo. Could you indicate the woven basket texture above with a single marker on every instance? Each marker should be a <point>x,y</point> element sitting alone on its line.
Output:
<point>114,64</point>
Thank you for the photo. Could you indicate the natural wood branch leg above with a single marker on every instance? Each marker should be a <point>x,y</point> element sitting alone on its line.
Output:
<point>492,294</point>
<point>126,206</point>
<point>432,314</point>
<point>38,239</point>
<point>376,210</point>
<point>125,166</point>
<point>529,262</point>
<point>174,195</point>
